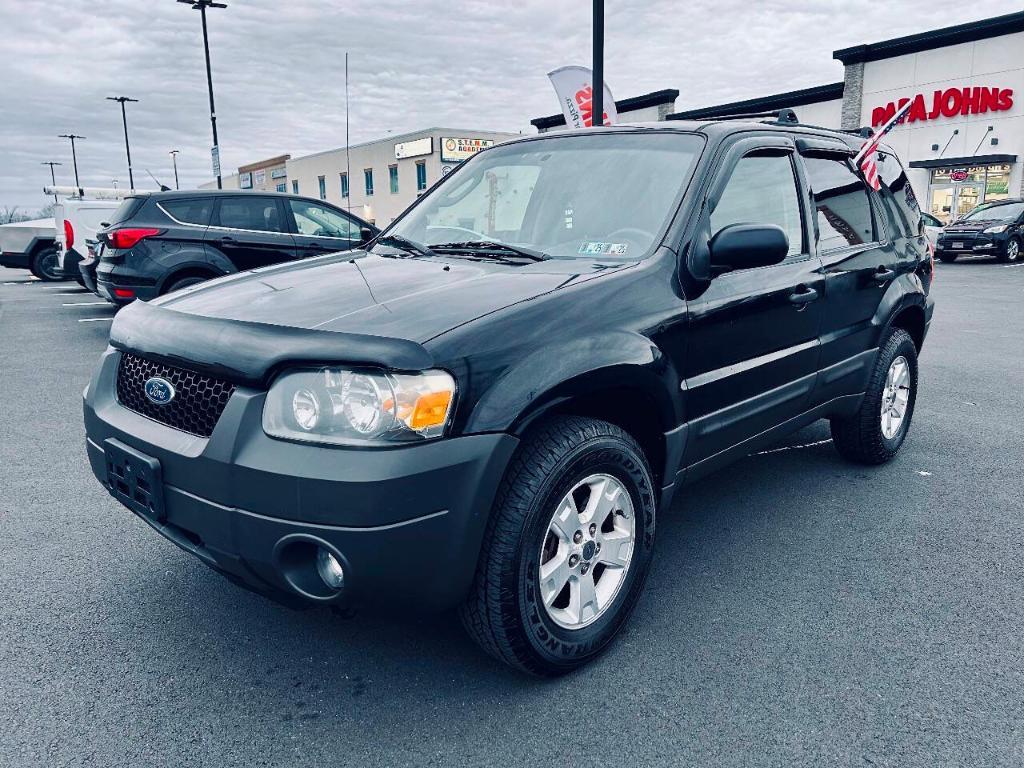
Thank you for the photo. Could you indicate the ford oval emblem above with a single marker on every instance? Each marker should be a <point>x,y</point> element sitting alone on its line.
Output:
<point>159,391</point>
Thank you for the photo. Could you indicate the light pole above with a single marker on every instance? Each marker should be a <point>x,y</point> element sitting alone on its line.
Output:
<point>53,177</point>
<point>201,6</point>
<point>74,157</point>
<point>124,119</point>
<point>174,159</point>
<point>597,100</point>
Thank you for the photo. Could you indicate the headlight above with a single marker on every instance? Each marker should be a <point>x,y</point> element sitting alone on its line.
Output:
<point>996,230</point>
<point>358,406</point>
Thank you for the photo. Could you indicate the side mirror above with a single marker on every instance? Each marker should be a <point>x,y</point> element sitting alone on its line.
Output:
<point>366,234</point>
<point>745,246</point>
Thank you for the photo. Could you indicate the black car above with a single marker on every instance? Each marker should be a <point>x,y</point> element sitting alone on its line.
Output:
<point>490,403</point>
<point>992,229</point>
<point>160,242</point>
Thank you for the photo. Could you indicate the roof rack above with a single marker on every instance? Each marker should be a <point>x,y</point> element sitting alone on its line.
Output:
<point>786,116</point>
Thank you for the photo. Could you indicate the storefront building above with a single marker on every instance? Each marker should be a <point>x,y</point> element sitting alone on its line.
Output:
<point>379,179</point>
<point>963,139</point>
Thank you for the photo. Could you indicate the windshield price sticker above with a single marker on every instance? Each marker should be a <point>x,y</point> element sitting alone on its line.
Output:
<point>598,249</point>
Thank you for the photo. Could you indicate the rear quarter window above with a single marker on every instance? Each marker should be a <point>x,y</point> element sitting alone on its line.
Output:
<point>128,208</point>
<point>842,208</point>
<point>898,198</point>
<point>189,211</point>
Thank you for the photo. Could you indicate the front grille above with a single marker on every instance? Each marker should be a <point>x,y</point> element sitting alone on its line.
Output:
<point>198,400</point>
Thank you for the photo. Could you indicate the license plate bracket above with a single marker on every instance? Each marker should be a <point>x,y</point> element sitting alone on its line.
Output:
<point>958,245</point>
<point>134,479</point>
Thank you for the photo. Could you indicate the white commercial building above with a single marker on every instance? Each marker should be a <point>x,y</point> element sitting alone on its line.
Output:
<point>963,138</point>
<point>376,180</point>
<point>379,179</point>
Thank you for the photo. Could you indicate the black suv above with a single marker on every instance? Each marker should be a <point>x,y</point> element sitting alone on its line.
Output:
<point>992,229</point>
<point>489,404</point>
<point>161,242</point>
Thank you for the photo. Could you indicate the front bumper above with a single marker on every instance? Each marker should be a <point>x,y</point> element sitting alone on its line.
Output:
<point>972,244</point>
<point>407,522</point>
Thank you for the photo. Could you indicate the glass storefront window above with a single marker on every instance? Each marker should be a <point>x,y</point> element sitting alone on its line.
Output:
<point>955,192</point>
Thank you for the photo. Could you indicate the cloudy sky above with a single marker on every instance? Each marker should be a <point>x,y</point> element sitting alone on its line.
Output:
<point>278,70</point>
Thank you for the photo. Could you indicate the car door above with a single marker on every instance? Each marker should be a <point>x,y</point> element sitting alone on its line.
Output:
<point>320,228</point>
<point>859,261</point>
<point>752,338</point>
<point>250,231</point>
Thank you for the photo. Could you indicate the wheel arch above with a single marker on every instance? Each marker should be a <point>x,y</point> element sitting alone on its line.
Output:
<point>203,270</point>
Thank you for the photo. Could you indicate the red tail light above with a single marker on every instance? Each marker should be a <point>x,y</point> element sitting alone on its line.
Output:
<point>127,238</point>
<point>124,293</point>
<point>69,234</point>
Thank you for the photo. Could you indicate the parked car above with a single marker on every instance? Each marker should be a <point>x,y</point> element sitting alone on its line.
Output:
<point>490,404</point>
<point>932,227</point>
<point>164,241</point>
<point>77,223</point>
<point>992,229</point>
<point>30,245</point>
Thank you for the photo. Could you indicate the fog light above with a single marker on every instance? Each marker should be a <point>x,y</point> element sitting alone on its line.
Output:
<point>330,569</point>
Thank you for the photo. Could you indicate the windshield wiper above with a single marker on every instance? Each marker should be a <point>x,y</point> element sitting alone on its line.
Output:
<point>405,244</point>
<point>491,248</point>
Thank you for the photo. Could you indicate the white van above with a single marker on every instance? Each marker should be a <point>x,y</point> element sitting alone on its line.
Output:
<point>77,222</point>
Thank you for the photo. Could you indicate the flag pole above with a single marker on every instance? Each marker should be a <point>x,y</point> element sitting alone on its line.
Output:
<point>876,138</point>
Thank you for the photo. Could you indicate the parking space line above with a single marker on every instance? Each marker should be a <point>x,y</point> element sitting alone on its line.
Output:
<point>94,319</point>
<point>86,304</point>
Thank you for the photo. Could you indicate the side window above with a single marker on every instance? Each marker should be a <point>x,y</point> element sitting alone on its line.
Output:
<point>843,210</point>
<point>762,190</point>
<point>898,196</point>
<point>320,221</point>
<point>196,211</point>
<point>250,212</point>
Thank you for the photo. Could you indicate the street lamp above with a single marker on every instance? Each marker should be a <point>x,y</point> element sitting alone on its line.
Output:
<point>53,177</point>
<point>174,159</point>
<point>201,6</point>
<point>74,157</point>
<point>124,119</point>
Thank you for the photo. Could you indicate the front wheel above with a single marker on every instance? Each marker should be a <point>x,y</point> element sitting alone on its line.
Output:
<point>1012,252</point>
<point>567,547</point>
<point>874,434</point>
<point>44,265</point>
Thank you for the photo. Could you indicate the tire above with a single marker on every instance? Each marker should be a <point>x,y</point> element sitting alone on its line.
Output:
<point>948,258</point>
<point>184,282</point>
<point>504,612</point>
<point>44,265</point>
<point>1012,252</point>
<point>863,437</point>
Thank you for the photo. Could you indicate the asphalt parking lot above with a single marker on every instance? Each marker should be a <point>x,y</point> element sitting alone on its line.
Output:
<point>801,610</point>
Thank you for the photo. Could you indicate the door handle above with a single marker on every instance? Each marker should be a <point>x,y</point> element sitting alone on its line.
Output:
<point>884,273</point>
<point>803,295</point>
<point>228,240</point>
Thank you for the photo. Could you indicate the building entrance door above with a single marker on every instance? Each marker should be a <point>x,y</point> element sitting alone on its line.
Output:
<point>951,201</point>
<point>955,192</point>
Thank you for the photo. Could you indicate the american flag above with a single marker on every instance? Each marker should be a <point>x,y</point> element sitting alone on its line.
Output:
<point>867,158</point>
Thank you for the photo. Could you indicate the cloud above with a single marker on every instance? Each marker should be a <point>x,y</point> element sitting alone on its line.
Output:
<point>278,70</point>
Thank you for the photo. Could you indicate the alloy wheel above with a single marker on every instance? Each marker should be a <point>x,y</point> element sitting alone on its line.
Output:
<point>1012,250</point>
<point>895,397</point>
<point>586,551</point>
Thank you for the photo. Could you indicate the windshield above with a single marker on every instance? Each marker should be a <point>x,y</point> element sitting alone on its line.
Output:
<point>608,194</point>
<point>994,211</point>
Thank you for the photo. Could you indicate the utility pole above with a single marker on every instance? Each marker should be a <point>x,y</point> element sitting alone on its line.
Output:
<point>74,158</point>
<point>53,177</point>
<point>201,6</point>
<point>124,119</point>
<point>174,159</point>
<point>597,100</point>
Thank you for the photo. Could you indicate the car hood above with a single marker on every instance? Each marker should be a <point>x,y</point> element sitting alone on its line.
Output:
<point>398,297</point>
<point>975,225</point>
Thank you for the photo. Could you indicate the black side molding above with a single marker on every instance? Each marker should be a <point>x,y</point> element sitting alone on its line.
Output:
<point>251,353</point>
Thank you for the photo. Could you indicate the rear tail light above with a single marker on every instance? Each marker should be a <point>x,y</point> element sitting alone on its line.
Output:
<point>69,235</point>
<point>124,293</point>
<point>127,238</point>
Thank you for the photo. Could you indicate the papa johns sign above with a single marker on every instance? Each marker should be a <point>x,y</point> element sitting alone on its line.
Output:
<point>948,103</point>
